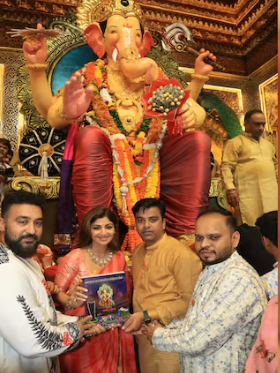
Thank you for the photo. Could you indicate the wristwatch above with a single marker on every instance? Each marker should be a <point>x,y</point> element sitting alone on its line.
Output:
<point>147,318</point>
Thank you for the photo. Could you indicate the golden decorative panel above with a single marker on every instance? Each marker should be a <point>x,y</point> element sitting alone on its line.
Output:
<point>12,60</point>
<point>269,101</point>
<point>33,184</point>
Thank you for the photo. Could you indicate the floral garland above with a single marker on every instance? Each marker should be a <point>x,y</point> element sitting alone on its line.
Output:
<point>136,169</point>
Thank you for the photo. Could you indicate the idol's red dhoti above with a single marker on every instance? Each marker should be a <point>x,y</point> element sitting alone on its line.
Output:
<point>185,176</point>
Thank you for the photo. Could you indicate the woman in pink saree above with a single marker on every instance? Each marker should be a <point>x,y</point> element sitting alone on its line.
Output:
<point>113,351</point>
<point>264,354</point>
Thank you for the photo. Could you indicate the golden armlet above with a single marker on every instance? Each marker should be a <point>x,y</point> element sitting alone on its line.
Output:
<point>36,66</point>
<point>200,78</point>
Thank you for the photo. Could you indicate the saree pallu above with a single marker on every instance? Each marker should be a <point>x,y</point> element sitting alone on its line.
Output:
<point>101,354</point>
<point>104,353</point>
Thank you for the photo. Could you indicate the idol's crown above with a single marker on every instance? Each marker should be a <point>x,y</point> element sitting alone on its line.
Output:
<point>90,11</point>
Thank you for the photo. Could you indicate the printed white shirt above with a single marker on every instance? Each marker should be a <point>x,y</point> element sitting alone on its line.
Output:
<point>222,321</point>
<point>32,332</point>
<point>270,280</point>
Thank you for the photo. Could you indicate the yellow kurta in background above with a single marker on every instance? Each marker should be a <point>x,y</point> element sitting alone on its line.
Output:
<point>250,166</point>
<point>164,277</point>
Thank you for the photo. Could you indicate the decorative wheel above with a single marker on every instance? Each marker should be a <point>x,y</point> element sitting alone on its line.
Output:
<point>35,142</point>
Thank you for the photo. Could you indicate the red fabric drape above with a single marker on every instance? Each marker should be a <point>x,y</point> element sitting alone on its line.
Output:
<point>185,176</point>
<point>185,179</point>
<point>92,171</point>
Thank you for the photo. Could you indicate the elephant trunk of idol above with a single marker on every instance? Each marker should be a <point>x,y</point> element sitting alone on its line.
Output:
<point>137,68</point>
<point>133,66</point>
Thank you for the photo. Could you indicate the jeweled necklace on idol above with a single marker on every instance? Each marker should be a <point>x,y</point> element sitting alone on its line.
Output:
<point>99,259</point>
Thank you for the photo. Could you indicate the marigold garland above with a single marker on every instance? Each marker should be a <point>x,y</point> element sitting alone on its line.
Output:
<point>131,182</point>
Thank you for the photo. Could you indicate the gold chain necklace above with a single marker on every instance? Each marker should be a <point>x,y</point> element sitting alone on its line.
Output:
<point>122,95</point>
<point>98,259</point>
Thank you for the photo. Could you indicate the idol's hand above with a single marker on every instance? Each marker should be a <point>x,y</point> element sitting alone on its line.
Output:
<point>35,48</point>
<point>202,68</point>
<point>190,114</point>
<point>76,99</point>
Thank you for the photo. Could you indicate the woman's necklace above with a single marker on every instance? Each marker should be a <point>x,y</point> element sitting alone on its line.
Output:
<point>100,260</point>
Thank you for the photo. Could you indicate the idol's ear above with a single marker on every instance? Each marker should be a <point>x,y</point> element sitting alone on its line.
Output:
<point>147,43</point>
<point>95,39</point>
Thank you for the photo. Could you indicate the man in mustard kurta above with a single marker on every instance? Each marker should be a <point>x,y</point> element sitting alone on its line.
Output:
<point>249,170</point>
<point>164,274</point>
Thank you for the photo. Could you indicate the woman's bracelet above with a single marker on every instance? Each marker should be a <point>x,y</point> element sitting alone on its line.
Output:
<point>36,66</point>
<point>200,78</point>
<point>68,305</point>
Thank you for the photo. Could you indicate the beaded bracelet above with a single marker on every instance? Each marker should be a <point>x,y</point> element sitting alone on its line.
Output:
<point>36,66</point>
<point>67,304</point>
<point>201,78</point>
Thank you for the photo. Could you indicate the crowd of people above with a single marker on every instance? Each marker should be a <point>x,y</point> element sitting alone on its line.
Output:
<point>201,309</point>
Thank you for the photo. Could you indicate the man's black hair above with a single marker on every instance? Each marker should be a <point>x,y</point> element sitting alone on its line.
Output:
<point>147,203</point>
<point>230,219</point>
<point>21,198</point>
<point>251,248</point>
<point>250,113</point>
<point>268,225</point>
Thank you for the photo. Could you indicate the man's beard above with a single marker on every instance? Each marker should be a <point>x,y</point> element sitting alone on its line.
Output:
<point>17,248</point>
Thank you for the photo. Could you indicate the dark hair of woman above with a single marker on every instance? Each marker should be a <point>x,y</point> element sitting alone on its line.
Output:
<point>98,212</point>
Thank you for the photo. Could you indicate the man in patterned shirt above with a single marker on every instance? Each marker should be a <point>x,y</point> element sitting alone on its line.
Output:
<point>225,312</point>
<point>268,225</point>
<point>32,333</point>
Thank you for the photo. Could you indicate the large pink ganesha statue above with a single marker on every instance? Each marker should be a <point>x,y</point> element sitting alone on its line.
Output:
<point>117,155</point>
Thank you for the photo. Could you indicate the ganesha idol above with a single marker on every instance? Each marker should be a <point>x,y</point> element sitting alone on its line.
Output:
<point>116,154</point>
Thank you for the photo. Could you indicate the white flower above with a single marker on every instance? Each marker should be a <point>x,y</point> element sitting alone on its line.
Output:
<point>105,95</point>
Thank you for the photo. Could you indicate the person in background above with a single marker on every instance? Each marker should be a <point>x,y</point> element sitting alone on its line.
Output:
<point>251,248</point>
<point>268,225</point>
<point>32,332</point>
<point>164,274</point>
<point>6,171</point>
<point>225,312</point>
<point>9,156</point>
<point>98,253</point>
<point>249,170</point>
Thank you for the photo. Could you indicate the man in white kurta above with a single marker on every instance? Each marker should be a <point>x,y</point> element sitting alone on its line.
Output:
<point>249,170</point>
<point>225,312</point>
<point>32,333</point>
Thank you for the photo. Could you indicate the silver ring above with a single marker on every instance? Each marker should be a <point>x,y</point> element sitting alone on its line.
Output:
<point>75,300</point>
